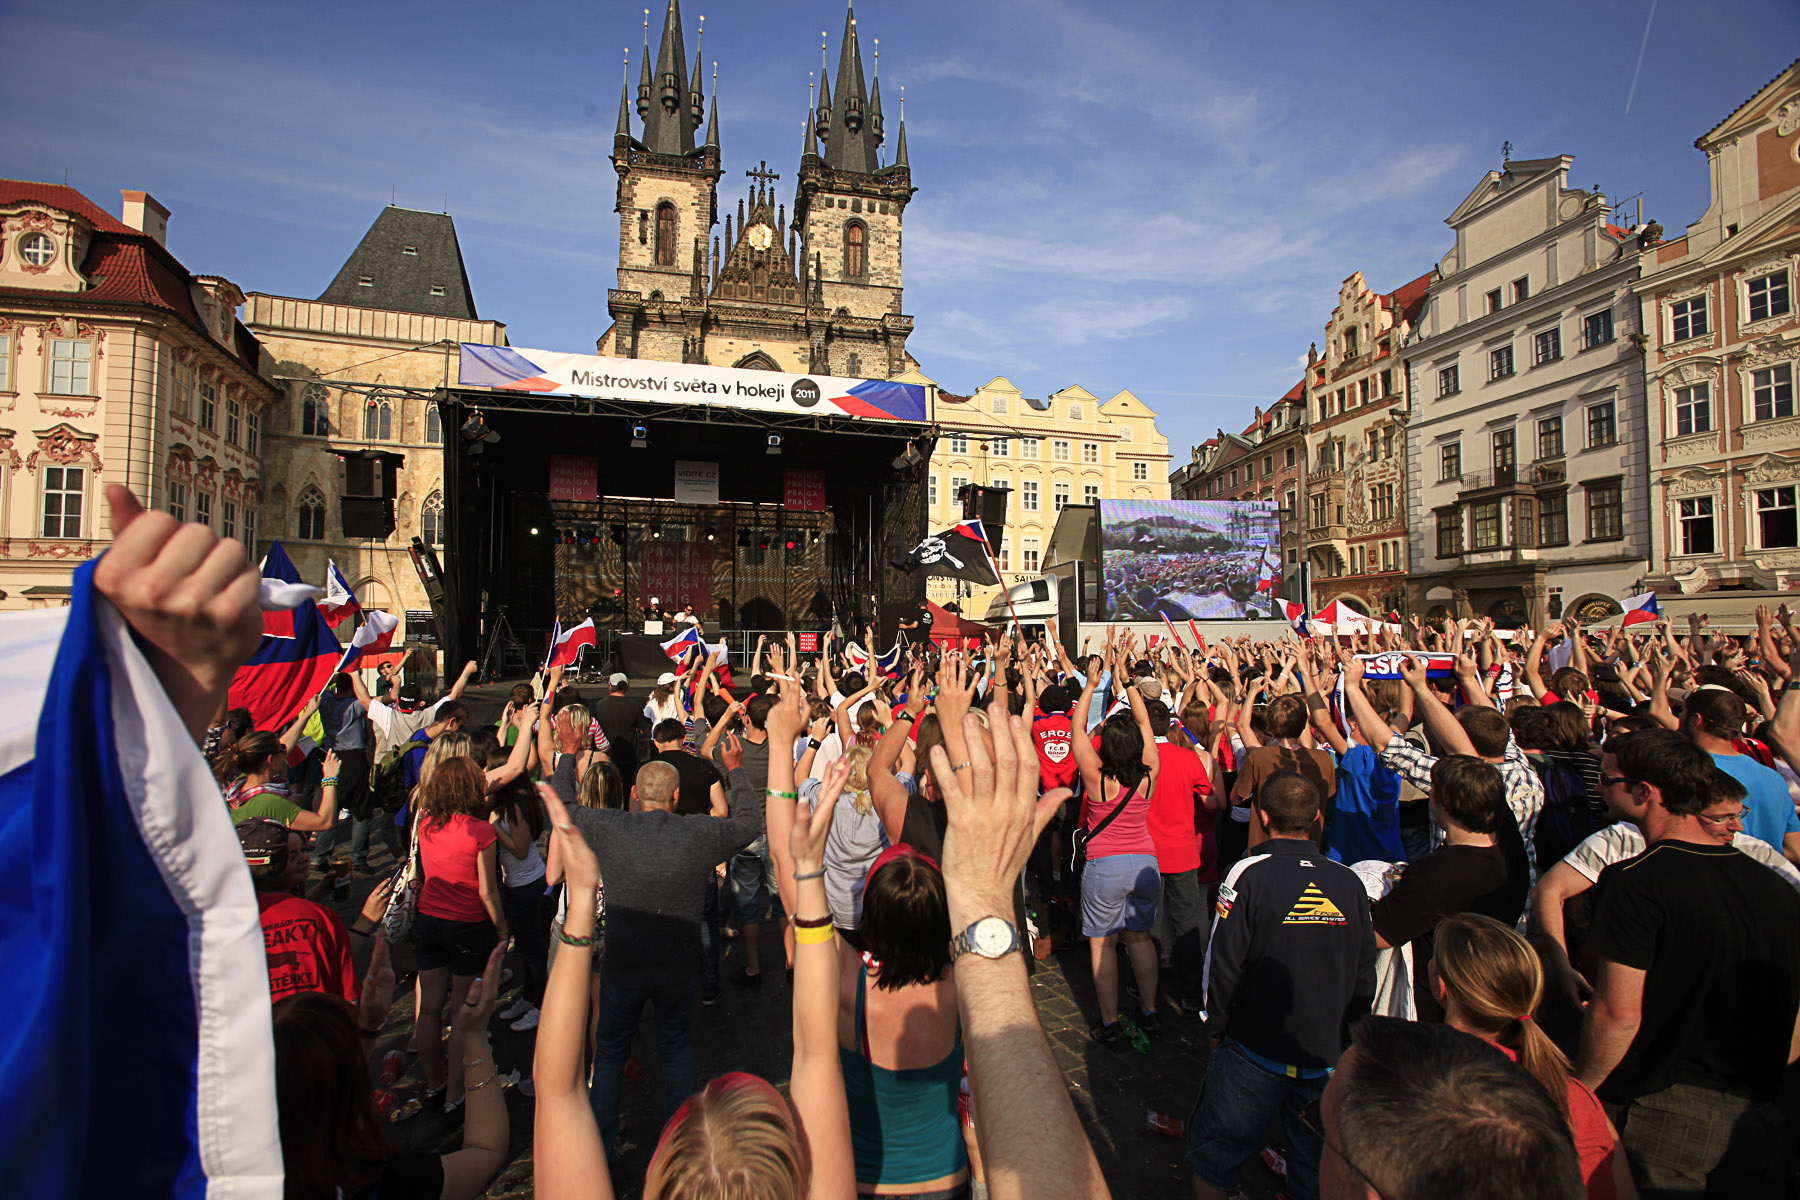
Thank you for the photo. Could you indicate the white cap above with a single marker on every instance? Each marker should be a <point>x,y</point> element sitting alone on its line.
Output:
<point>666,678</point>
<point>620,679</point>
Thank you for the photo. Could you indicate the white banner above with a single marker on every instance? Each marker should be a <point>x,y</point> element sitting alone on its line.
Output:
<point>696,482</point>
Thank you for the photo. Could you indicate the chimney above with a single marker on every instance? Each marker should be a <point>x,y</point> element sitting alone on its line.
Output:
<point>142,212</point>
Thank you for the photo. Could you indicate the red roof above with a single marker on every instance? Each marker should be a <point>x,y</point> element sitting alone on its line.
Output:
<point>55,195</point>
<point>1294,392</point>
<point>1409,298</point>
<point>1618,231</point>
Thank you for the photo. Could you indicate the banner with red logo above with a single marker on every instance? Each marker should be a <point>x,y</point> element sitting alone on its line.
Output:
<point>574,477</point>
<point>803,489</point>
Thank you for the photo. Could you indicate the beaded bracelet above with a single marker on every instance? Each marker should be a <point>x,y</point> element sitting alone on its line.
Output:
<point>331,782</point>
<point>568,940</point>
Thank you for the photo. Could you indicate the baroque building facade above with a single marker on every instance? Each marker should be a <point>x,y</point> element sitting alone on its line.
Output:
<point>355,368</point>
<point>116,365</point>
<point>1526,488</point>
<point>1070,448</point>
<point>1720,311</point>
<point>1356,404</point>
<point>817,293</point>
<point>1267,462</point>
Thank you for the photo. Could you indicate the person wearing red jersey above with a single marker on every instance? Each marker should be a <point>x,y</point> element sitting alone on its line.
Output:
<point>1183,796</point>
<point>309,949</point>
<point>1052,733</point>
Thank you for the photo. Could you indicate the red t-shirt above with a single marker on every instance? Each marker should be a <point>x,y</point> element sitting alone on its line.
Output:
<point>1181,782</point>
<point>449,852</point>
<point>1054,734</point>
<point>1594,1142</point>
<point>308,948</point>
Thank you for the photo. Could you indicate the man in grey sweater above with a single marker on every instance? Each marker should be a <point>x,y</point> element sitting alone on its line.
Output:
<point>654,861</point>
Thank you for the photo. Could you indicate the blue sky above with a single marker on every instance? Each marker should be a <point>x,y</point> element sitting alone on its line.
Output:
<point>1160,197</point>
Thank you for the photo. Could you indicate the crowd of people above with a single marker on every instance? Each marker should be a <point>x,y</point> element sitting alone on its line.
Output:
<point>1487,933</point>
<point>1202,584</point>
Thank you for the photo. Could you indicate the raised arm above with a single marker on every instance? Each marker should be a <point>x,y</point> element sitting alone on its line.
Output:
<point>1087,759</point>
<point>1319,710</point>
<point>514,766</point>
<point>1534,659</point>
<point>1439,723</point>
<point>462,681</point>
<point>290,737</point>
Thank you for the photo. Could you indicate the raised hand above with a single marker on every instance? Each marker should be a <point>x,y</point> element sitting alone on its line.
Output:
<point>806,841</point>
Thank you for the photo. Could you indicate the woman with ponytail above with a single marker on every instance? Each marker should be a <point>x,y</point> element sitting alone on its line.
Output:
<point>1489,981</point>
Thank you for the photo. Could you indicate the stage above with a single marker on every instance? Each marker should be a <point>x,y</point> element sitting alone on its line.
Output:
<point>564,507</point>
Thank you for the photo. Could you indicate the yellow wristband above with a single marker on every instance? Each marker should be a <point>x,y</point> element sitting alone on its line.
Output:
<point>814,937</point>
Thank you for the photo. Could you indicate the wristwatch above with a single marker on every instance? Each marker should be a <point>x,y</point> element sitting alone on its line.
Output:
<point>990,937</point>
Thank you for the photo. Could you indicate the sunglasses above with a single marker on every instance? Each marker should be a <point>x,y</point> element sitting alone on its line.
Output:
<point>1724,818</point>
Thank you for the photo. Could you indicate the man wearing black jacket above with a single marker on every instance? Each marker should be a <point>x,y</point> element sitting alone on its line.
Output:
<point>1290,966</point>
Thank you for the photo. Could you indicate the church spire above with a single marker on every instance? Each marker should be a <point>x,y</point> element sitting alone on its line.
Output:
<point>697,102</point>
<point>852,144</point>
<point>671,119</point>
<point>623,133</point>
<point>643,96</point>
<point>712,124</point>
<point>809,141</point>
<point>900,150</point>
<point>824,91</point>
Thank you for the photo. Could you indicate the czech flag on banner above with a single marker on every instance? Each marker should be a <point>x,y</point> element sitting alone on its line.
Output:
<point>287,669</point>
<point>143,1037</point>
<point>568,644</point>
<point>1640,609</point>
<point>856,656</point>
<point>376,635</point>
<point>338,603</point>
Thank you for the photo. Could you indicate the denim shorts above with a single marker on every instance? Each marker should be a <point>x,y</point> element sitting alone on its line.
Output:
<point>752,878</point>
<point>1118,892</point>
<point>1238,1102</point>
<point>463,946</point>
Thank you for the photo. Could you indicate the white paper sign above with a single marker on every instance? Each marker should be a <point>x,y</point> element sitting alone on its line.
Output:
<point>696,482</point>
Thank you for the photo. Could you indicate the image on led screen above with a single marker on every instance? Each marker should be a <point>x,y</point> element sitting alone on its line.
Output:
<point>1199,559</point>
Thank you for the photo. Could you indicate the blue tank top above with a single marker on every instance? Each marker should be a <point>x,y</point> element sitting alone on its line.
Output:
<point>904,1126</point>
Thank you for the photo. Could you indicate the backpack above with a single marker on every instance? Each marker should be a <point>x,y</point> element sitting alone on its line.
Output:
<point>1571,813</point>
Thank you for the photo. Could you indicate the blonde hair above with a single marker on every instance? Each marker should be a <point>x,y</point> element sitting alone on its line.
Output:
<point>579,720</point>
<point>736,1140</point>
<point>1496,980</point>
<point>454,744</point>
<point>857,786</point>
<point>602,787</point>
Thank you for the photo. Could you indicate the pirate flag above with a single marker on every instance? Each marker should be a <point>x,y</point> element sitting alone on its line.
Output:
<point>960,553</point>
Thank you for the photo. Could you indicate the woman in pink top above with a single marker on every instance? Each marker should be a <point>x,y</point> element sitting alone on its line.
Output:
<point>1489,980</point>
<point>459,917</point>
<point>1120,885</point>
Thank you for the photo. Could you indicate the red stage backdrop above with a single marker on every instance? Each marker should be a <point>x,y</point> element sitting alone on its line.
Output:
<point>804,489</point>
<point>574,477</point>
<point>677,573</point>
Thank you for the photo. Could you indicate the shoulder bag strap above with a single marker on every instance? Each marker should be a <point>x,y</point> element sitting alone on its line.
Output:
<point>1117,809</point>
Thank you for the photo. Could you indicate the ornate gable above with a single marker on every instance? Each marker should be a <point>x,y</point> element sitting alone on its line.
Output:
<point>757,266</point>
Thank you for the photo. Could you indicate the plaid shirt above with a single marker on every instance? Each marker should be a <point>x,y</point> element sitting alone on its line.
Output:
<point>1524,790</point>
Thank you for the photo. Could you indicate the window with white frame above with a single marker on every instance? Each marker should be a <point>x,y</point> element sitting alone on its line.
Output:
<point>931,487</point>
<point>178,499</point>
<point>1606,510</point>
<point>1090,452</point>
<point>1059,451</point>
<point>5,362</point>
<point>957,484</point>
<point>1687,319</point>
<point>1006,552</point>
<point>959,443</point>
<point>1772,392</point>
<point>37,249</point>
<point>1000,448</point>
<point>71,363</point>
<point>1290,456</point>
<point>1776,524</point>
<point>1028,447</point>
<point>234,421</point>
<point>1768,296</point>
<point>1090,493</point>
<point>1031,556</point>
<point>1140,470</point>
<point>203,508</point>
<point>1546,347</point>
<point>209,406</point>
<point>1059,496</point>
<point>1549,437</point>
<point>227,519</point>
<point>1268,465</point>
<point>1449,462</point>
<point>1029,497</point>
<point>1697,529</point>
<point>64,490</point>
<point>1449,381</point>
<point>1500,362</point>
<point>1693,409</point>
<point>1603,424</point>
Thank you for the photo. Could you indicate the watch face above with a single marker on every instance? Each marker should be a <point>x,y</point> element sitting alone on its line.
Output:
<point>991,937</point>
<point>761,236</point>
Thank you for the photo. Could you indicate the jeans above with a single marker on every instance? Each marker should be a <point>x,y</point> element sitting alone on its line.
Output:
<point>353,800</point>
<point>752,874</point>
<point>1181,927</point>
<point>622,998</point>
<point>710,936</point>
<point>524,910</point>
<point>1238,1101</point>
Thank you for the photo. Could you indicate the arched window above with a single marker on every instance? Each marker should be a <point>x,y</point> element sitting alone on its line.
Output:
<point>315,412</point>
<point>312,515</point>
<point>378,422</point>
<point>434,425</point>
<point>856,250</point>
<point>431,520</point>
<point>665,234</point>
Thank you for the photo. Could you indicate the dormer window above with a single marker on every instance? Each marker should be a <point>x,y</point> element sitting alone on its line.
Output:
<point>437,289</point>
<point>37,249</point>
<point>367,281</point>
<point>412,251</point>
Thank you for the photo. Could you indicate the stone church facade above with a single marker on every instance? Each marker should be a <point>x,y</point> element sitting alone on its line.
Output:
<point>817,291</point>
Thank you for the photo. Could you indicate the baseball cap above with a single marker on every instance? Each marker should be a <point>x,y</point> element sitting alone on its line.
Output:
<point>408,692</point>
<point>619,679</point>
<point>265,842</point>
<point>665,679</point>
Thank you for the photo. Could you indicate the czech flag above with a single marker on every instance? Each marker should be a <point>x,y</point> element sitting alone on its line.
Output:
<point>1265,581</point>
<point>276,565</point>
<point>289,668</point>
<point>376,635</point>
<point>1295,612</point>
<point>1640,609</point>
<point>688,639</point>
<point>889,663</point>
<point>568,644</point>
<point>143,1035</point>
<point>338,603</point>
<point>1173,636</point>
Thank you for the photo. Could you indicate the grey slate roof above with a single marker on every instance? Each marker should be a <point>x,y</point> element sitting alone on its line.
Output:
<point>402,281</point>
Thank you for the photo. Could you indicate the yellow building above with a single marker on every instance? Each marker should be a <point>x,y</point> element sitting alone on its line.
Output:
<point>1072,448</point>
<point>116,366</point>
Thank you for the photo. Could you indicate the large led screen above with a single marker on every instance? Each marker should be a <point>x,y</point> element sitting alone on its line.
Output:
<point>1199,559</point>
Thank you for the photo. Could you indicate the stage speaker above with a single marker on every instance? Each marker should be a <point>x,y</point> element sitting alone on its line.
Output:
<point>372,474</point>
<point>367,517</point>
<point>987,505</point>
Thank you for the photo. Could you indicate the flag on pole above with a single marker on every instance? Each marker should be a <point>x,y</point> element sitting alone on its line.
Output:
<point>278,621</point>
<point>1173,636</point>
<point>1640,609</point>
<point>376,635</point>
<point>1295,612</point>
<point>688,639</point>
<point>1194,629</point>
<point>1265,579</point>
<point>550,647</point>
<point>960,552</point>
<point>569,643</point>
<point>291,665</point>
<point>144,1035</point>
<point>338,603</point>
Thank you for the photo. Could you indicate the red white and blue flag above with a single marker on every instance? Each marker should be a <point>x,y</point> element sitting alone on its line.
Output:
<point>339,601</point>
<point>566,647</point>
<point>376,635</point>
<point>289,667</point>
<point>688,639</point>
<point>1295,612</point>
<point>890,664</point>
<point>1265,579</point>
<point>1640,609</point>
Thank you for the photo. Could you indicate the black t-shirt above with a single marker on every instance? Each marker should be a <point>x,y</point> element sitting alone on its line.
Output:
<point>697,778</point>
<point>1449,880</point>
<point>1718,937</point>
<point>924,619</point>
<point>619,717</point>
